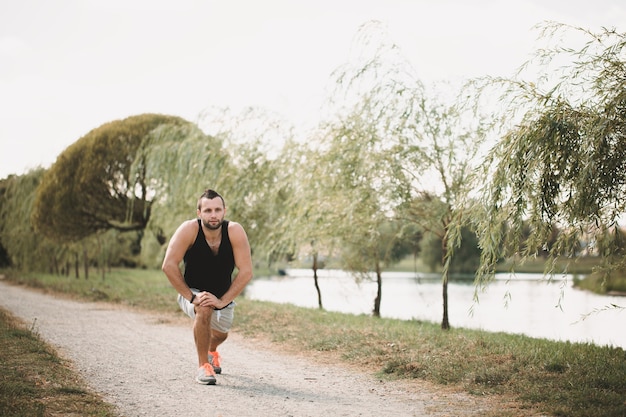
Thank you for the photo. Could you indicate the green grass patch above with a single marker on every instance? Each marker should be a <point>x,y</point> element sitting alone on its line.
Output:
<point>35,382</point>
<point>568,379</point>
<point>604,283</point>
<point>579,266</point>
<point>146,289</point>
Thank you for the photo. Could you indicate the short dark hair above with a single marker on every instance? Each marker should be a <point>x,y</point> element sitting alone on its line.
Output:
<point>210,194</point>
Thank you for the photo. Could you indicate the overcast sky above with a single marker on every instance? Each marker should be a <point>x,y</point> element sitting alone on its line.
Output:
<point>68,66</point>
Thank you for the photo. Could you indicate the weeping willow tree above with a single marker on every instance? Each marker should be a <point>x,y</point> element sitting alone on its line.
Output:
<point>180,162</point>
<point>356,197</point>
<point>432,142</point>
<point>282,197</point>
<point>258,144</point>
<point>26,250</point>
<point>563,164</point>
<point>260,183</point>
<point>90,186</point>
<point>297,206</point>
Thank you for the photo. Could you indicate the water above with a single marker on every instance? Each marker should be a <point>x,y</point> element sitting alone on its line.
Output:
<point>524,304</point>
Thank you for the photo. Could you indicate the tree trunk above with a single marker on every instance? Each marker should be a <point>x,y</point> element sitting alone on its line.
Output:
<point>55,265</point>
<point>445,324</point>
<point>317,286</point>
<point>85,261</point>
<point>379,290</point>
<point>102,258</point>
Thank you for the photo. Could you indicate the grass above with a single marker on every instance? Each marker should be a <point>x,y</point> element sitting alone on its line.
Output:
<point>563,379</point>
<point>140,288</point>
<point>35,382</point>
<point>587,271</point>
<point>610,283</point>
<point>578,266</point>
<point>555,378</point>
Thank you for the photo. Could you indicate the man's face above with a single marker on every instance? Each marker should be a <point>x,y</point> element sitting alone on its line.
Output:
<point>212,212</point>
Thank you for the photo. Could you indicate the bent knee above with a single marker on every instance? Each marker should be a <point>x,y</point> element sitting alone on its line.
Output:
<point>204,312</point>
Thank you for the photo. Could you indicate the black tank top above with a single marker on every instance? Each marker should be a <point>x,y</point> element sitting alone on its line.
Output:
<point>207,271</point>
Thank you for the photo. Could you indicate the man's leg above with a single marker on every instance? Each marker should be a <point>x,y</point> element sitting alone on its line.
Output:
<point>202,337</point>
<point>202,333</point>
<point>217,338</point>
<point>221,323</point>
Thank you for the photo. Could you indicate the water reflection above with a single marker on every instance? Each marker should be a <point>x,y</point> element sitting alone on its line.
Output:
<point>526,303</point>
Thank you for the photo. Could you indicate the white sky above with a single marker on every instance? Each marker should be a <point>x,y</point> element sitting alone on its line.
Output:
<point>68,66</point>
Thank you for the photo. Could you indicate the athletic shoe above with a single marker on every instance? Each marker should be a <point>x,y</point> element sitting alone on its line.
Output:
<point>206,375</point>
<point>214,359</point>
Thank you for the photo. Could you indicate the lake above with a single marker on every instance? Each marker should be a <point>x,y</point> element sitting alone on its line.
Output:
<point>526,304</point>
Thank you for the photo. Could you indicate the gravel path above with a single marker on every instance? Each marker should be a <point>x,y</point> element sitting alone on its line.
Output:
<point>145,365</point>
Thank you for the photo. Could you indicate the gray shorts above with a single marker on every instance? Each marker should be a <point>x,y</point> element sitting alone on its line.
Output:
<point>221,320</point>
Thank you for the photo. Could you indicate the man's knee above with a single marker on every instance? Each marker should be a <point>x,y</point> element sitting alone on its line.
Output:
<point>204,314</point>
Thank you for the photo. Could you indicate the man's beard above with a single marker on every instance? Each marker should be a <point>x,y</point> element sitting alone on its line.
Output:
<point>211,226</point>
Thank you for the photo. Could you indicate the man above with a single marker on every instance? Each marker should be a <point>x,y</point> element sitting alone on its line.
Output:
<point>211,248</point>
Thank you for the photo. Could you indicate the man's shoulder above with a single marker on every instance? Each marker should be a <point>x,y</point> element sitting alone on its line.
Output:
<point>189,223</point>
<point>188,227</point>
<point>185,234</point>
<point>236,232</point>
<point>234,226</point>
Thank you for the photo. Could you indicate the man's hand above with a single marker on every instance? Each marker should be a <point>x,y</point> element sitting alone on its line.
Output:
<point>206,299</point>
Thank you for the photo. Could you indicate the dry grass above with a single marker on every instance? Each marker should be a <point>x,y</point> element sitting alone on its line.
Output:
<point>35,381</point>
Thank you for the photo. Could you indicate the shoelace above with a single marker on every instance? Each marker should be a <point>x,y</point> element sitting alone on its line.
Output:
<point>208,369</point>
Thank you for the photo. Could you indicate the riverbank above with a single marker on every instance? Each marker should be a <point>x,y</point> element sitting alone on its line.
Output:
<point>544,377</point>
<point>585,270</point>
<point>527,304</point>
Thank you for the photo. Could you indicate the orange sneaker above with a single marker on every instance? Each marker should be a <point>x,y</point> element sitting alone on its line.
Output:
<point>214,360</point>
<point>206,375</point>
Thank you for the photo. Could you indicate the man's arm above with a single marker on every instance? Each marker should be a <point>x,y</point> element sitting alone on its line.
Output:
<point>243,262</point>
<point>179,243</point>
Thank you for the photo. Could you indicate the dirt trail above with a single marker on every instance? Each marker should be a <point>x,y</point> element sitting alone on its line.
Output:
<point>145,365</point>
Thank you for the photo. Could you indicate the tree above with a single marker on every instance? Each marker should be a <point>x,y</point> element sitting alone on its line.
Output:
<point>467,256</point>
<point>356,178</point>
<point>178,163</point>
<point>181,161</point>
<point>5,260</point>
<point>362,253</point>
<point>433,142</point>
<point>90,187</point>
<point>563,163</point>
<point>26,250</point>
<point>278,188</point>
<point>308,230</point>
